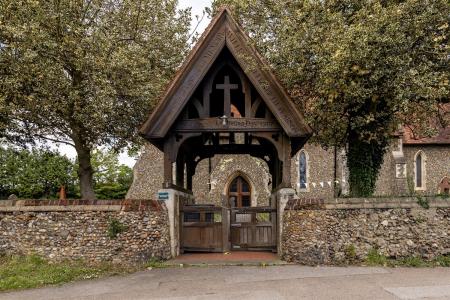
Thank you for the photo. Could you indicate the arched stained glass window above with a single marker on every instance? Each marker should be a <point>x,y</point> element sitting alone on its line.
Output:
<point>303,170</point>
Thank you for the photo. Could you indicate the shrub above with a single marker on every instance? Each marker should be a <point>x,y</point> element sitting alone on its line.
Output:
<point>374,258</point>
<point>115,227</point>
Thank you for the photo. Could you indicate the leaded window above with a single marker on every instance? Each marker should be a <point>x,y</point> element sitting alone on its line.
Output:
<point>303,170</point>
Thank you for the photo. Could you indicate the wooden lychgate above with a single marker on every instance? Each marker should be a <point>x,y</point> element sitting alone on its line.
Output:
<point>225,100</point>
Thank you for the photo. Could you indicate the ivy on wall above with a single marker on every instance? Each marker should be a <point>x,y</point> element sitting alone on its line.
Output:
<point>364,162</point>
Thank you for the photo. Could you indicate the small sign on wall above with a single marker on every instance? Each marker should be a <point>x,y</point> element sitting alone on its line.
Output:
<point>163,196</point>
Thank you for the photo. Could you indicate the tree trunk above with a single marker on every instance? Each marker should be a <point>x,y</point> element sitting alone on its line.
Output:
<point>85,171</point>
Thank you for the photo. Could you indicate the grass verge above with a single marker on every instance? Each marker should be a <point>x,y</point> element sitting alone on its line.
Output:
<point>156,264</point>
<point>21,272</point>
<point>374,258</point>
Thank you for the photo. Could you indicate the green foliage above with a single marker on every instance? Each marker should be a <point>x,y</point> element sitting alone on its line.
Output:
<point>422,201</point>
<point>443,196</point>
<point>111,191</point>
<point>39,173</point>
<point>356,68</point>
<point>20,272</point>
<point>156,264</point>
<point>86,73</point>
<point>115,227</point>
<point>34,174</point>
<point>443,261</point>
<point>350,252</point>
<point>374,258</point>
<point>105,164</point>
<point>112,180</point>
<point>412,261</point>
<point>364,161</point>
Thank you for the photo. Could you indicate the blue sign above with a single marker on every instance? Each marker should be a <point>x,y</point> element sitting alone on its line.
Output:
<point>163,196</point>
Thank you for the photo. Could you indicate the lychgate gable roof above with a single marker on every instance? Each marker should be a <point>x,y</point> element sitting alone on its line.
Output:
<point>222,32</point>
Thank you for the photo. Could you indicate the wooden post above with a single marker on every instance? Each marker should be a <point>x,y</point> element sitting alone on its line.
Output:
<point>225,230</point>
<point>286,179</point>
<point>168,172</point>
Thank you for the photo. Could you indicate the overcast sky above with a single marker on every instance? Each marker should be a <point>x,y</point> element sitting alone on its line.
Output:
<point>197,9</point>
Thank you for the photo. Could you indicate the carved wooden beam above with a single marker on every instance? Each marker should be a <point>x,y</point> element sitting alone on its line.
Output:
<point>232,125</point>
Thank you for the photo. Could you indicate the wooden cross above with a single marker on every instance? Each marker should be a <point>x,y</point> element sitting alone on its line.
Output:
<point>227,87</point>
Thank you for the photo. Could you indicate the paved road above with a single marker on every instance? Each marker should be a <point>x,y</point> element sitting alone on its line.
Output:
<point>277,282</point>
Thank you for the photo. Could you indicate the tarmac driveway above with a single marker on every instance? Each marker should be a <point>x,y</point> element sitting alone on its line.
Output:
<point>274,282</point>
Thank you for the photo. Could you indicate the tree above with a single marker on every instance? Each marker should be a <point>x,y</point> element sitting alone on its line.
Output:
<point>357,69</point>
<point>111,179</point>
<point>34,174</point>
<point>85,73</point>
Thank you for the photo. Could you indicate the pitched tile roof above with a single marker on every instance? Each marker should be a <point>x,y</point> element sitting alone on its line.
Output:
<point>441,137</point>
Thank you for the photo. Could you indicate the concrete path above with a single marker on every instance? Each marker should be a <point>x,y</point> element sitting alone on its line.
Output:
<point>275,282</point>
<point>229,258</point>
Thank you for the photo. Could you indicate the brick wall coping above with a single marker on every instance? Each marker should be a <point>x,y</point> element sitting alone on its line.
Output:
<point>30,205</point>
<point>364,203</point>
<point>47,208</point>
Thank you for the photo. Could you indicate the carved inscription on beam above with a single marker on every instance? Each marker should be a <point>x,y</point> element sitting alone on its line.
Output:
<point>233,125</point>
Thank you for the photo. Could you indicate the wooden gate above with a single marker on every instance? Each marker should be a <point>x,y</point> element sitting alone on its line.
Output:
<point>253,228</point>
<point>211,228</point>
<point>202,228</point>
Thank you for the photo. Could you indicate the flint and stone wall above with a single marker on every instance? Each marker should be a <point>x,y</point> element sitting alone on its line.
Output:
<point>211,178</point>
<point>80,230</point>
<point>320,169</point>
<point>437,165</point>
<point>339,231</point>
<point>148,174</point>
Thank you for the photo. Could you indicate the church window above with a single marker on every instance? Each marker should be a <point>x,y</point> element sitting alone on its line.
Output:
<point>303,170</point>
<point>419,170</point>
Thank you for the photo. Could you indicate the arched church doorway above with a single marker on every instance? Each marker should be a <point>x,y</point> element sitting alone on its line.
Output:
<point>239,192</point>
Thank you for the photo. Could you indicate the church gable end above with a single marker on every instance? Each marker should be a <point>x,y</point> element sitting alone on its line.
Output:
<point>218,86</point>
<point>226,92</point>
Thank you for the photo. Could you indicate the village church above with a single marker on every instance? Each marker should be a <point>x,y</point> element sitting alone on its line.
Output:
<point>412,164</point>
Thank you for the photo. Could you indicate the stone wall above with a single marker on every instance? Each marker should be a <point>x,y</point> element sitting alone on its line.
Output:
<point>336,231</point>
<point>148,174</point>
<point>80,231</point>
<point>320,169</point>
<point>386,183</point>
